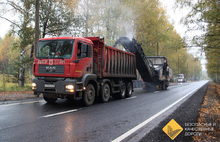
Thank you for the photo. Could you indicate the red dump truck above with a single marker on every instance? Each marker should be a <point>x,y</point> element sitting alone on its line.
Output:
<point>82,68</point>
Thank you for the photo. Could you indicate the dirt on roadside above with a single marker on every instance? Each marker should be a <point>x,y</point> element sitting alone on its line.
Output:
<point>209,115</point>
<point>16,95</point>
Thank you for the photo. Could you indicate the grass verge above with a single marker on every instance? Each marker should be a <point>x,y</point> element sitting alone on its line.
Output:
<point>5,87</point>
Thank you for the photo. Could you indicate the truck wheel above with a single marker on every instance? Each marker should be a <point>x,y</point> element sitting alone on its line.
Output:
<point>163,86</point>
<point>129,90</point>
<point>50,100</point>
<point>89,95</point>
<point>105,94</point>
<point>123,91</point>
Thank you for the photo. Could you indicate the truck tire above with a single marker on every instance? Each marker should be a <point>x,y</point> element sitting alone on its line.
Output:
<point>89,95</point>
<point>105,94</point>
<point>122,93</point>
<point>163,86</point>
<point>128,90</point>
<point>50,100</point>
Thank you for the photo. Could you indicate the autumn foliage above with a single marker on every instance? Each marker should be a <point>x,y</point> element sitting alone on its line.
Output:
<point>144,20</point>
<point>209,114</point>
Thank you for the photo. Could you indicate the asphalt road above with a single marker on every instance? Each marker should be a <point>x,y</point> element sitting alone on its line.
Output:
<point>117,120</point>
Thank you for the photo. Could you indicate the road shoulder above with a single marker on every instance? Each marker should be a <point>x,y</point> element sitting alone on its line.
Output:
<point>19,96</point>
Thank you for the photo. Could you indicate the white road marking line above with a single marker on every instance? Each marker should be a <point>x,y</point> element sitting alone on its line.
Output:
<point>156,92</point>
<point>131,98</point>
<point>136,128</point>
<point>60,113</point>
<point>22,103</point>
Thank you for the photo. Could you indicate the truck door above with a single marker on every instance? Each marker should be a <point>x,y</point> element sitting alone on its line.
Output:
<point>84,57</point>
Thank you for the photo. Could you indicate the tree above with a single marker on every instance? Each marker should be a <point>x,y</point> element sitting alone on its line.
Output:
<point>57,16</point>
<point>158,36</point>
<point>151,25</point>
<point>109,18</point>
<point>205,17</point>
<point>24,31</point>
<point>9,55</point>
<point>4,51</point>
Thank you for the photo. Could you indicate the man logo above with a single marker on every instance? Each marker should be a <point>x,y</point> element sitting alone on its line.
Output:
<point>50,62</point>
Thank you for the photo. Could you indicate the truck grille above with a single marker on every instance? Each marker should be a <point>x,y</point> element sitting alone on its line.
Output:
<point>55,69</point>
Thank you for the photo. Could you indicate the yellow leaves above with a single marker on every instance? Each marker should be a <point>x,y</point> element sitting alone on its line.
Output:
<point>70,4</point>
<point>8,53</point>
<point>4,46</point>
<point>209,113</point>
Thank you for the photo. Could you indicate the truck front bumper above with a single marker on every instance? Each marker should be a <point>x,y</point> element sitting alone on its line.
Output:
<point>54,85</point>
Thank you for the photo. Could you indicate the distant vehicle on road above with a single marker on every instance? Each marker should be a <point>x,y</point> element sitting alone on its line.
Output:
<point>180,78</point>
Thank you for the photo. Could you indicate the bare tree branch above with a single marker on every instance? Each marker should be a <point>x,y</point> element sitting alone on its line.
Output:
<point>11,22</point>
<point>16,7</point>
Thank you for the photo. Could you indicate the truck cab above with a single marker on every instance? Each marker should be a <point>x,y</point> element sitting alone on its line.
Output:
<point>60,56</point>
<point>59,65</point>
<point>160,65</point>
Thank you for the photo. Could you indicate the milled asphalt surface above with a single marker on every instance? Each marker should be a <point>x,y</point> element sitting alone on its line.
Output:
<point>186,113</point>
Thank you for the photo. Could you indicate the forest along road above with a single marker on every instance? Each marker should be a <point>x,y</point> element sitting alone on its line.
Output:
<point>117,120</point>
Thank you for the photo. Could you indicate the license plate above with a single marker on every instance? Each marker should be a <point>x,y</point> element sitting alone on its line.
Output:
<point>49,85</point>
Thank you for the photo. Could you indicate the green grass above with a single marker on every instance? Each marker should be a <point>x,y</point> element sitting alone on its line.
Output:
<point>14,87</point>
<point>7,85</point>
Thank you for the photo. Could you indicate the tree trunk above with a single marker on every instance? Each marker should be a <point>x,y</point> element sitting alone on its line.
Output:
<point>21,76</point>
<point>21,71</point>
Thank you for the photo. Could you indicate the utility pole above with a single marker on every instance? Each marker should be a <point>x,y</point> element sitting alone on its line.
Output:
<point>178,64</point>
<point>37,23</point>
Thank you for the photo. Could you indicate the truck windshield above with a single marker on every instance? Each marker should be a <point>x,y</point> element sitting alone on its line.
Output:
<point>55,49</point>
<point>157,61</point>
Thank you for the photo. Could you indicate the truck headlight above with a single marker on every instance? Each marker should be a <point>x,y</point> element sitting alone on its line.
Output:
<point>34,86</point>
<point>69,88</point>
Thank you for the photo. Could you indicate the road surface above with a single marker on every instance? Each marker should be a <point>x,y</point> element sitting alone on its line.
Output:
<point>117,120</point>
